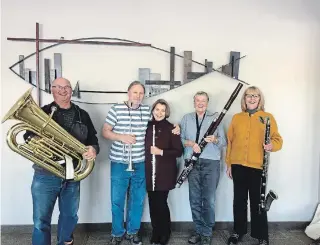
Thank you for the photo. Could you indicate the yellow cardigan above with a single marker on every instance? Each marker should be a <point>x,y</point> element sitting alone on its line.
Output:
<point>246,138</point>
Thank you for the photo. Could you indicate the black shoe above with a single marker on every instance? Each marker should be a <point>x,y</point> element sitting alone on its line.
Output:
<point>164,239</point>
<point>134,239</point>
<point>263,242</point>
<point>115,240</point>
<point>155,239</point>
<point>205,240</point>
<point>194,239</point>
<point>234,238</point>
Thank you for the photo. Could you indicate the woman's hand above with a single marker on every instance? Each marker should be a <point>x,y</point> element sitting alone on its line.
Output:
<point>155,150</point>
<point>229,172</point>
<point>268,147</point>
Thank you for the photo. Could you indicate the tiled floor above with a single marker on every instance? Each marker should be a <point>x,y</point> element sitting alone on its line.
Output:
<point>277,237</point>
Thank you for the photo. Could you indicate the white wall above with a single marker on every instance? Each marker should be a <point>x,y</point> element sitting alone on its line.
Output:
<point>281,42</point>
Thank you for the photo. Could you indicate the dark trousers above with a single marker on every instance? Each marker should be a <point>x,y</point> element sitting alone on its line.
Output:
<point>246,180</point>
<point>160,216</point>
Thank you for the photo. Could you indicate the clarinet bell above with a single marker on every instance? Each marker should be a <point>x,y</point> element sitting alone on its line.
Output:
<point>269,199</point>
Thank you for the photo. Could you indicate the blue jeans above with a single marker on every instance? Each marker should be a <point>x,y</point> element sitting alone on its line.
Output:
<point>121,180</point>
<point>203,181</point>
<point>45,191</point>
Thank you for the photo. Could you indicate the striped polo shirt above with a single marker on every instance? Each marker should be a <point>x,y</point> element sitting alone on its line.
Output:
<point>125,120</point>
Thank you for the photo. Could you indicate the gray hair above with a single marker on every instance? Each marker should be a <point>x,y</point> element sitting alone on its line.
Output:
<point>136,83</point>
<point>201,93</point>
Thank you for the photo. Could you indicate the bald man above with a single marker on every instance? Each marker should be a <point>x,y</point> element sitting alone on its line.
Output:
<point>47,188</point>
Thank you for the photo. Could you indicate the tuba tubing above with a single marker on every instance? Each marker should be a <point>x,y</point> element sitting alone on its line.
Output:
<point>50,139</point>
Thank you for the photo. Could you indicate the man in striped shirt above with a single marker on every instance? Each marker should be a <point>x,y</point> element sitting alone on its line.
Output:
<point>126,125</point>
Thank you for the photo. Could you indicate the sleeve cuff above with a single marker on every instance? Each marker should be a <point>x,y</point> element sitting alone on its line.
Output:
<point>97,148</point>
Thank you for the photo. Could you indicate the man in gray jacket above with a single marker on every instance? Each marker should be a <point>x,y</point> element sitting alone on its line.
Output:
<point>204,178</point>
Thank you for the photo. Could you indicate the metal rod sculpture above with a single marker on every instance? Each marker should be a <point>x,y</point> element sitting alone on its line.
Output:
<point>189,163</point>
<point>37,65</point>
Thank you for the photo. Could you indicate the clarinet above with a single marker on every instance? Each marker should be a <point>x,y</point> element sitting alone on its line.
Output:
<point>153,160</point>
<point>189,163</point>
<point>266,201</point>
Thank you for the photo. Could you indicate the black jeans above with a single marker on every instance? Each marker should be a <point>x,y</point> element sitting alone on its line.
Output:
<point>160,216</point>
<point>246,180</point>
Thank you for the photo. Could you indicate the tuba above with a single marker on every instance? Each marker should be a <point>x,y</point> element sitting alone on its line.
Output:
<point>51,145</point>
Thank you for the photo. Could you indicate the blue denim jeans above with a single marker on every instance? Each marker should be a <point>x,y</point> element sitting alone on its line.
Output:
<point>203,181</point>
<point>121,181</point>
<point>46,189</point>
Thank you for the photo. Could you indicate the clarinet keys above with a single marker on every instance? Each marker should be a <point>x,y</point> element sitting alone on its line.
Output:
<point>266,200</point>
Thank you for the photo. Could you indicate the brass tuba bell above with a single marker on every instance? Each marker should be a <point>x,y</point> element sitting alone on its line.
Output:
<point>51,145</point>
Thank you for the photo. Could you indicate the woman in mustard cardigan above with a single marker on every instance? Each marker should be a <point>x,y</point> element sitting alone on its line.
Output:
<point>244,159</point>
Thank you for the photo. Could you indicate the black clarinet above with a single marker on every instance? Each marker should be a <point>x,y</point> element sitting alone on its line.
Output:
<point>189,163</point>
<point>266,201</point>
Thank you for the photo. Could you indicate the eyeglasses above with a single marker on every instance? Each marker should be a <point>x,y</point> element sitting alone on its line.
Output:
<point>252,96</point>
<point>61,87</point>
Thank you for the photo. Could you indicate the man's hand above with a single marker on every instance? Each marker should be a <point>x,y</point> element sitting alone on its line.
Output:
<point>211,139</point>
<point>90,154</point>
<point>176,129</point>
<point>128,138</point>
<point>268,147</point>
<point>196,148</point>
<point>155,150</point>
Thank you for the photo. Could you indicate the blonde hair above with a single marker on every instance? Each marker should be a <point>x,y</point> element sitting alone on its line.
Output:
<point>162,102</point>
<point>256,90</point>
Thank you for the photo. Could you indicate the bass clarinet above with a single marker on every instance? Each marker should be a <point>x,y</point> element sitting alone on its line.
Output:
<point>153,159</point>
<point>266,201</point>
<point>189,163</point>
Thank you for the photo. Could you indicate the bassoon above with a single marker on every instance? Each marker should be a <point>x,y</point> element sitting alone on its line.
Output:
<point>189,163</point>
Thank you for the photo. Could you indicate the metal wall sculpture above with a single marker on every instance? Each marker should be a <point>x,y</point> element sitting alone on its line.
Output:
<point>154,83</point>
